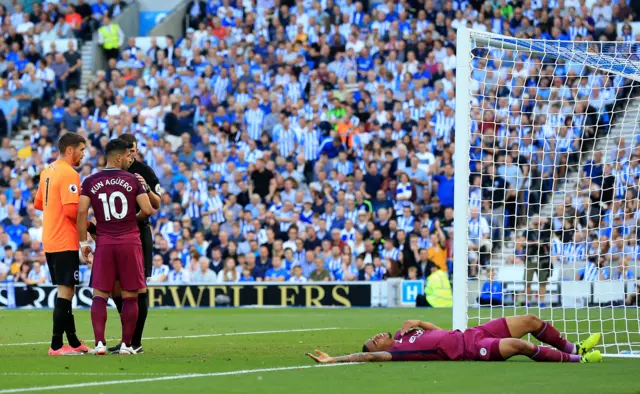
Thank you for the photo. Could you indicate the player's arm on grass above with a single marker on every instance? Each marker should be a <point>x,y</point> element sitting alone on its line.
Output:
<point>82,224</point>
<point>324,358</point>
<point>410,324</point>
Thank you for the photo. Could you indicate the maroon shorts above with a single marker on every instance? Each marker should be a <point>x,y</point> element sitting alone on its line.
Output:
<point>482,343</point>
<point>118,262</point>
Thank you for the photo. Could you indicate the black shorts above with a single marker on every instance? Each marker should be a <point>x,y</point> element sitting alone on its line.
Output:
<point>64,267</point>
<point>147,248</point>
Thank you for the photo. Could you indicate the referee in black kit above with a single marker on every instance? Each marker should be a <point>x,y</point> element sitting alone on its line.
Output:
<point>145,174</point>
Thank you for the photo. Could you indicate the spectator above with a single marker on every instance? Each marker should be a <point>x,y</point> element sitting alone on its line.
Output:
<point>297,276</point>
<point>159,271</point>
<point>16,229</point>
<point>479,241</point>
<point>204,274</point>
<point>539,261</point>
<point>229,272</point>
<point>110,35</point>
<point>348,142</point>
<point>9,107</point>
<point>178,275</point>
<point>320,274</point>
<point>22,275</point>
<point>4,271</point>
<point>277,273</point>
<point>37,275</point>
<point>491,292</point>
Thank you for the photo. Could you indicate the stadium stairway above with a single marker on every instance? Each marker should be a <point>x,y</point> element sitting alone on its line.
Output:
<point>87,67</point>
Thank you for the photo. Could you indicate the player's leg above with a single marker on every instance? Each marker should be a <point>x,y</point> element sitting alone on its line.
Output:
<point>543,331</point>
<point>128,318</point>
<point>510,347</point>
<point>143,296</point>
<point>129,263</point>
<point>116,295</point>
<point>63,278</point>
<point>73,259</point>
<point>103,278</point>
<point>99,320</point>
<point>143,310</point>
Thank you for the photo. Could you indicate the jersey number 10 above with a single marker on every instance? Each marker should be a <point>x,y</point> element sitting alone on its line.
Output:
<point>109,205</point>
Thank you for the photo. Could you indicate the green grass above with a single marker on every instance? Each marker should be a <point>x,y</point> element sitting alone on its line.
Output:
<point>28,365</point>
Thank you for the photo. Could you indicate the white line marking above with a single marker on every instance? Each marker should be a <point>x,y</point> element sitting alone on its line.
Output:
<point>199,336</point>
<point>158,379</point>
<point>86,374</point>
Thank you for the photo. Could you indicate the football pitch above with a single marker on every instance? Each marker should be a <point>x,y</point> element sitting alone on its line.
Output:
<point>263,351</point>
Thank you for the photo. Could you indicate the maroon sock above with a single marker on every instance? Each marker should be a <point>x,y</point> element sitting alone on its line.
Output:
<point>549,335</point>
<point>544,354</point>
<point>129,317</point>
<point>99,318</point>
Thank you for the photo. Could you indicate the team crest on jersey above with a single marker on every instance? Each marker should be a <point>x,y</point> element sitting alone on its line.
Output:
<point>483,352</point>
<point>159,190</point>
<point>73,189</point>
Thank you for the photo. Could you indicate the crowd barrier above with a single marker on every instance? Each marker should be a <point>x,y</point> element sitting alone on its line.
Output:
<point>389,293</point>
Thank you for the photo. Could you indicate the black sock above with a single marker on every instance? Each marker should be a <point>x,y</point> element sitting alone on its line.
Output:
<point>143,308</point>
<point>70,330</point>
<point>118,302</point>
<point>60,313</point>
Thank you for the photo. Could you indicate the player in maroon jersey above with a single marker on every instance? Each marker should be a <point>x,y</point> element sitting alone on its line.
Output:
<point>497,340</point>
<point>113,194</point>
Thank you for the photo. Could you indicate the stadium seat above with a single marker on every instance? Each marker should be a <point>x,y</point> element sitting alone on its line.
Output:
<point>608,291</point>
<point>511,273</point>
<point>575,293</point>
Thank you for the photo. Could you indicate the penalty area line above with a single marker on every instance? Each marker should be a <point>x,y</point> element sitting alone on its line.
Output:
<point>163,378</point>
<point>229,334</point>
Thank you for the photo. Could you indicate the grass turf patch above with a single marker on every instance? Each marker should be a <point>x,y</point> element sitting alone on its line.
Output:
<point>28,365</point>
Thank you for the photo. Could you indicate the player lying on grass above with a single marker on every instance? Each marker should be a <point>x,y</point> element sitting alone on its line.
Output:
<point>497,340</point>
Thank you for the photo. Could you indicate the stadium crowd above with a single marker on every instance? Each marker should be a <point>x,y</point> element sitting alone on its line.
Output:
<point>303,140</point>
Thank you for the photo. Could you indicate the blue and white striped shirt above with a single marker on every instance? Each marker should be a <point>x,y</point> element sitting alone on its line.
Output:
<point>254,120</point>
<point>334,264</point>
<point>214,204</point>
<point>345,168</point>
<point>220,87</point>
<point>311,144</point>
<point>590,272</point>
<point>194,211</point>
<point>286,140</point>
<point>156,272</point>
<point>443,126</point>
<point>392,254</point>
<point>348,236</point>
<point>406,223</point>
<point>178,277</point>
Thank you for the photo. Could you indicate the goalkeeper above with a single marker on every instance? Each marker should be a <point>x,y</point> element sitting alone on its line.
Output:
<point>497,340</point>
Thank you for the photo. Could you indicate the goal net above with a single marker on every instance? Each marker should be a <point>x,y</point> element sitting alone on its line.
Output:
<point>547,182</point>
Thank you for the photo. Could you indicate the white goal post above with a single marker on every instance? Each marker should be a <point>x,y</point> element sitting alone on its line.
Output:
<point>547,185</point>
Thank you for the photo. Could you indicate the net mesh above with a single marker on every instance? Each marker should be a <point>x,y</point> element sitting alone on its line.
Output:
<point>553,189</point>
